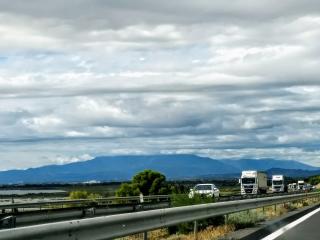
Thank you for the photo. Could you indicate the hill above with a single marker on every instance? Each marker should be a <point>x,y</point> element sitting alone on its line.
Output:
<point>267,163</point>
<point>294,173</point>
<point>121,168</point>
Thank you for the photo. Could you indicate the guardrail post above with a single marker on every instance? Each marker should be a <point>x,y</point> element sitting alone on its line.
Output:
<point>195,230</point>
<point>145,235</point>
<point>141,198</point>
<point>226,218</point>
<point>13,221</point>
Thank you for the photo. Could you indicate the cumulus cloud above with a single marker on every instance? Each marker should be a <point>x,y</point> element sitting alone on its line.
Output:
<point>142,77</point>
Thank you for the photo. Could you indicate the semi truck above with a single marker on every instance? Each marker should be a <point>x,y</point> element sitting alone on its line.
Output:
<point>301,185</point>
<point>278,184</point>
<point>292,187</point>
<point>253,182</point>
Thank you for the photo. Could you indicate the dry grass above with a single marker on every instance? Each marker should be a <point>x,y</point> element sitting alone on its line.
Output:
<point>152,235</point>
<point>274,211</point>
<point>210,233</point>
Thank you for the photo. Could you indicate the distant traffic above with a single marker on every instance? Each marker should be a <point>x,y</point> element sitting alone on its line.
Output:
<point>254,182</point>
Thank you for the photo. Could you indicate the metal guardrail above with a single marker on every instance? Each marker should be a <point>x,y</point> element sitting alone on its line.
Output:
<point>120,225</point>
<point>109,200</point>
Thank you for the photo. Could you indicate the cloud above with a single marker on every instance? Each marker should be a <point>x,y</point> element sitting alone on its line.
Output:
<point>126,77</point>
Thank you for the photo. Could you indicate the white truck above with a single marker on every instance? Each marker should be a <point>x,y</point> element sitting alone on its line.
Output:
<point>253,182</point>
<point>292,187</point>
<point>301,185</point>
<point>278,184</point>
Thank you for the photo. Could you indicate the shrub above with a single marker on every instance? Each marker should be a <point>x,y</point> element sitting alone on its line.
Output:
<point>179,200</point>
<point>128,189</point>
<point>83,195</point>
<point>244,219</point>
<point>78,195</point>
<point>305,203</point>
<point>290,206</point>
<point>314,180</point>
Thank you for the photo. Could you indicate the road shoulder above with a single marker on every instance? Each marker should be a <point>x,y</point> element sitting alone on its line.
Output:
<point>265,228</point>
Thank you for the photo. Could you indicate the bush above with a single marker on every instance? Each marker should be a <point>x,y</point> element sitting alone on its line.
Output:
<point>290,206</point>
<point>244,219</point>
<point>127,189</point>
<point>176,188</point>
<point>314,180</point>
<point>83,195</point>
<point>179,200</point>
<point>305,203</point>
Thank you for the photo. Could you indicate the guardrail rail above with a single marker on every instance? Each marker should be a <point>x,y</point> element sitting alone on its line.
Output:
<point>101,201</point>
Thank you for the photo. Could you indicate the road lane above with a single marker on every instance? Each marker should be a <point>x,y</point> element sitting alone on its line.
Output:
<point>304,228</point>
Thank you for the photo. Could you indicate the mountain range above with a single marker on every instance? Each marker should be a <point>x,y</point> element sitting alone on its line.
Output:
<point>181,166</point>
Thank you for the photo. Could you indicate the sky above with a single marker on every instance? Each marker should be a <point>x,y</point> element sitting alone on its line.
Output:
<point>224,79</point>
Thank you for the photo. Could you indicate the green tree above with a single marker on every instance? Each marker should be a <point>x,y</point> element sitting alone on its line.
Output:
<point>150,182</point>
<point>147,182</point>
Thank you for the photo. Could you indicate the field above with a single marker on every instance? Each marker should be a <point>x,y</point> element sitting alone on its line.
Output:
<point>227,187</point>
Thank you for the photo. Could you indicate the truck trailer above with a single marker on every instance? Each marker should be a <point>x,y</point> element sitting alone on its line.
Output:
<point>253,182</point>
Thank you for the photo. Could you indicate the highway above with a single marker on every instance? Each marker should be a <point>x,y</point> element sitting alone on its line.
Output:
<point>121,225</point>
<point>36,212</point>
<point>305,228</point>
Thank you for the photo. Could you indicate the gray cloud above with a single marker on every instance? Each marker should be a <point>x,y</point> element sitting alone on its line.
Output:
<point>121,77</point>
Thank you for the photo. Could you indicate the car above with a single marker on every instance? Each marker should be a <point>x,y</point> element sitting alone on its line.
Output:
<point>205,189</point>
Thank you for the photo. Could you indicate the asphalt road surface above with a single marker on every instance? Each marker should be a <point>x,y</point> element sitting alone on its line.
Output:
<point>304,228</point>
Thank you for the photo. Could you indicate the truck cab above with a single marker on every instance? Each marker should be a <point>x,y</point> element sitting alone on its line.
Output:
<point>292,187</point>
<point>278,184</point>
<point>301,185</point>
<point>253,182</point>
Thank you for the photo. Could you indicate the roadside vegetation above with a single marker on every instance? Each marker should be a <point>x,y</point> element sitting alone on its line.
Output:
<point>179,200</point>
<point>230,223</point>
<point>83,195</point>
<point>211,228</point>
<point>147,182</point>
<point>150,182</point>
<point>314,180</point>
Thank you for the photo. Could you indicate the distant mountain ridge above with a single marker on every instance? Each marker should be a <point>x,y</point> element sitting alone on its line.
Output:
<point>120,168</point>
<point>293,172</point>
<point>268,163</point>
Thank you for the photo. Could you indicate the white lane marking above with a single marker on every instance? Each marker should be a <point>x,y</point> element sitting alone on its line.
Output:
<point>280,231</point>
